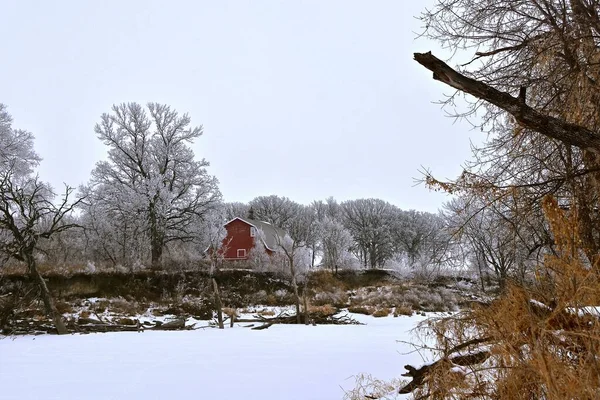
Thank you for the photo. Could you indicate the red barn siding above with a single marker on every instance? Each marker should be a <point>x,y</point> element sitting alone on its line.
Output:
<point>238,237</point>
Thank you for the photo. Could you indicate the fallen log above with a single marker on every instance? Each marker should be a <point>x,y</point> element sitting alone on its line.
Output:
<point>178,324</point>
<point>263,326</point>
<point>291,319</point>
<point>90,325</point>
<point>420,375</point>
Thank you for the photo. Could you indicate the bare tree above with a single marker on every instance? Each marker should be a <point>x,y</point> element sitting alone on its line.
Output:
<point>534,74</point>
<point>276,210</point>
<point>294,250</point>
<point>27,213</point>
<point>336,242</point>
<point>151,170</point>
<point>369,223</point>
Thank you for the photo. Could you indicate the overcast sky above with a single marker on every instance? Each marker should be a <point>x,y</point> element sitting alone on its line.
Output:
<point>304,99</point>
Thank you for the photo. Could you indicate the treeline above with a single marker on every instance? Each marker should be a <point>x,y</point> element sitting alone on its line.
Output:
<point>152,204</point>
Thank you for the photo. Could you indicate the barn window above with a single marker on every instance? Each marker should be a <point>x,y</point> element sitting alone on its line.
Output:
<point>241,253</point>
<point>252,231</point>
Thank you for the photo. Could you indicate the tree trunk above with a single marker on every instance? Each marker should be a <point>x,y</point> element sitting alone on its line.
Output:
<point>49,306</point>
<point>156,251</point>
<point>156,238</point>
<point>305,302</point>
<point>295,287</point>
<point>218,304</point>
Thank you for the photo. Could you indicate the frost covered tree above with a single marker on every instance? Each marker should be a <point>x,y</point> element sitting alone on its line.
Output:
<point>151,176</point>
<point>336,242</point>
<point>236,210</point>
<point>413,230</point>
<point>369,221</point>
<point>28,213</point>
<point>294,250</point>
<point>275,210</point>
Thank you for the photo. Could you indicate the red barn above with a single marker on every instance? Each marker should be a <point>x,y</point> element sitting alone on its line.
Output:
<point>242,234</point>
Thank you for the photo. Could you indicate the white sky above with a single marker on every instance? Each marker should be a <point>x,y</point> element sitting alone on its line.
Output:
<point>304,99</point>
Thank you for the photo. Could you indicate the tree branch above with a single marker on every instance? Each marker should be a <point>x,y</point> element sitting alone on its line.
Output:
<point>555,128</point>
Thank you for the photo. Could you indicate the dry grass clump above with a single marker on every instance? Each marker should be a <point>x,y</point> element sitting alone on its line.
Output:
<point>126,321</point>
<point>403,310</point>
<point>360,310</point>
<point>63,307</point>
<point>539,341</point>
<point>323,311</point>
<point>381,312</point>
<point>337,296</point>
<point>367,387</point>
<point>230,312</point>
<point>418,297</point>
<point>197,308</point>
<point>123,306</point>
<point>325,281</point>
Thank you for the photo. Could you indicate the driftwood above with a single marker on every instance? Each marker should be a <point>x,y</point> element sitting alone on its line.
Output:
<point>92,325</point>
<point>263,326</point>
<point>419,375</point>
<point>291,319</point>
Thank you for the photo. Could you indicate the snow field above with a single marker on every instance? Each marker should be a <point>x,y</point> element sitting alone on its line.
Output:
<point>282,362</point>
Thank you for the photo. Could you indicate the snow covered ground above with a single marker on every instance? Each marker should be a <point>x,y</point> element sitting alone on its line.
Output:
<point>283,362</point>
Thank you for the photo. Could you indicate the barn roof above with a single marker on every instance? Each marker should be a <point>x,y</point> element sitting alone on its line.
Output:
<point>272,234</point>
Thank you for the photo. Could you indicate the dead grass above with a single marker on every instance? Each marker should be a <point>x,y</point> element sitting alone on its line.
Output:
<point>63,307</point>
<point>325,281</point>
<point>367,387</point>
<point>541,340</point>
<point>122,306</point>
<point>381,312</point>
<point>230,312</point>
<point>360,310</point>
<point>265,312</point>
<point>403,310</point>
<point>322,311</point>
